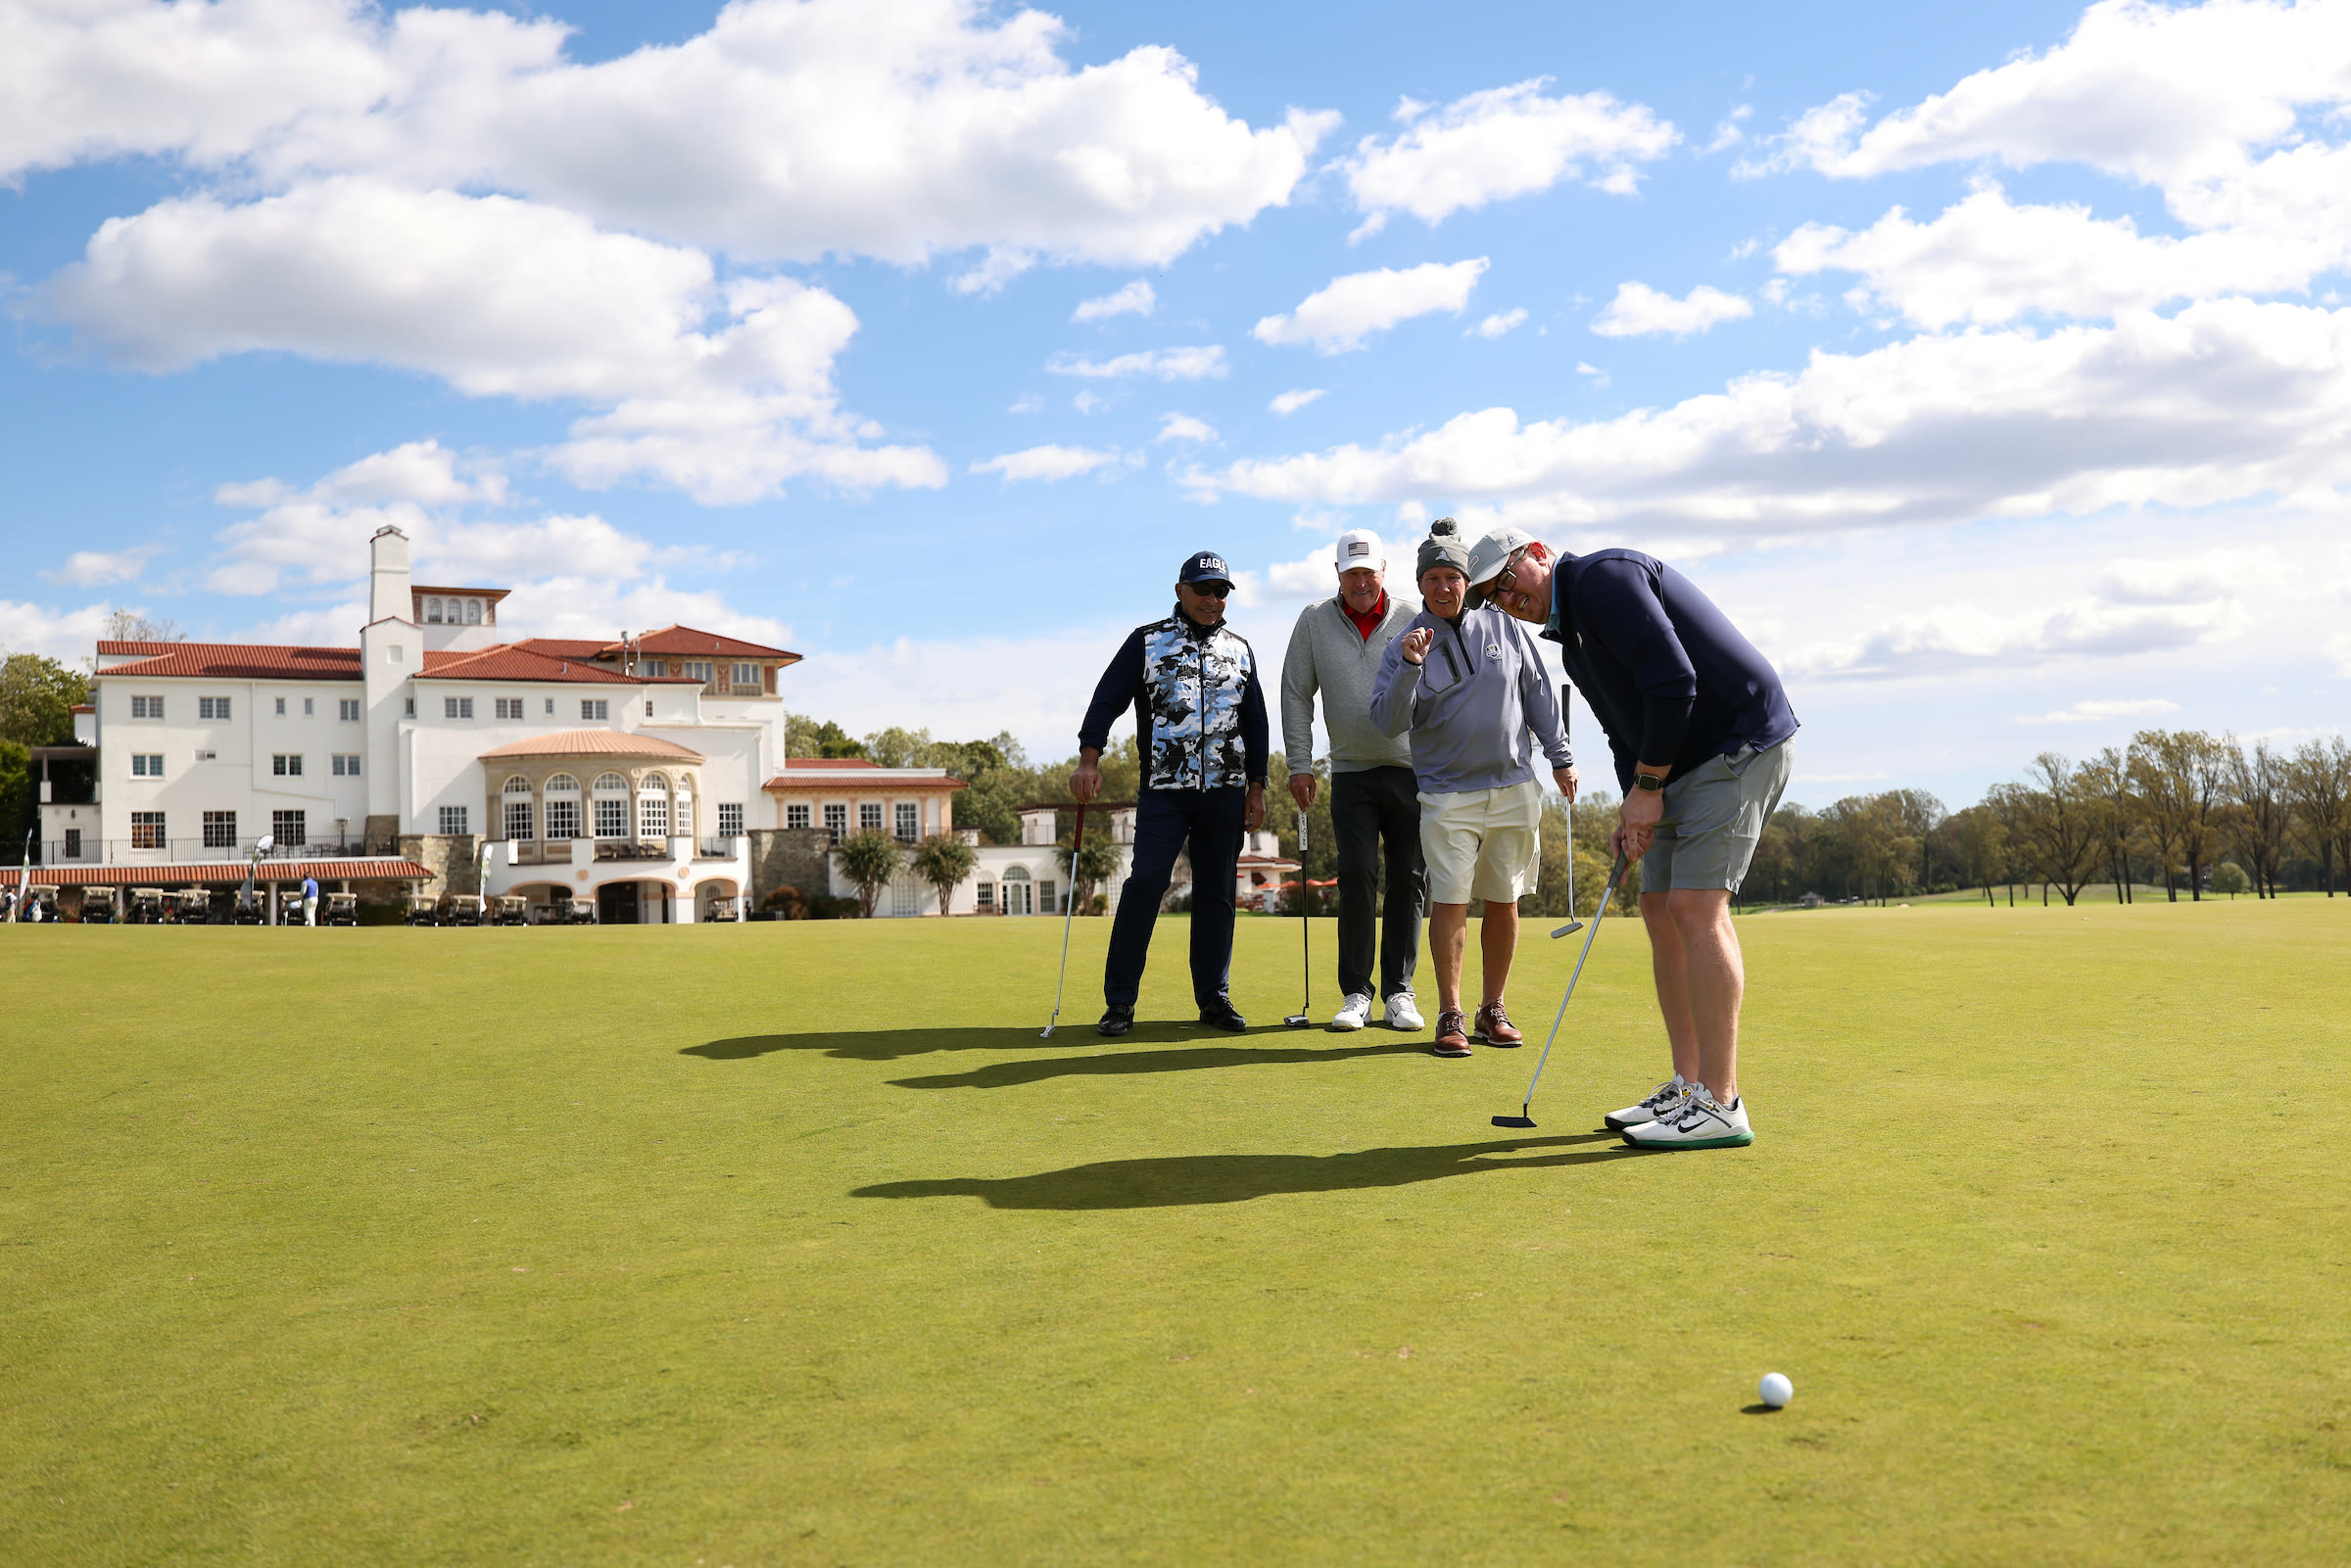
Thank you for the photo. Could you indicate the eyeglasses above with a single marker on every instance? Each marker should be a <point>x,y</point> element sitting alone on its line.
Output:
<point>1507,581</point>
<point>1210,590</point>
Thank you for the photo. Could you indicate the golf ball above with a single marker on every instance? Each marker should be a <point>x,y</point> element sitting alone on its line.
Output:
<point>1775,1389</point>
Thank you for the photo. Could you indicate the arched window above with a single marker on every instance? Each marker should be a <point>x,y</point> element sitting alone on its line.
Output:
<point>1020,892</point>
<point>432,611</point>
<point>611,798</point>
<point>652,807</point>
<point>473,612</point>
<point>562,794</point>
<point>516,815</point>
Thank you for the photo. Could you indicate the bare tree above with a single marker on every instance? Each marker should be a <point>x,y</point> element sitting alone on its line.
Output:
<point>2107,775</point>
<point>2062,838</point>
<point>2258,811</point>
<point>1982,846</point>
<point>133,625</point>
<point>2318,787</point>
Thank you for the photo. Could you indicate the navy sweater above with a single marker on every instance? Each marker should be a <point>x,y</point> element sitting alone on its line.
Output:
<point>1667,675</point>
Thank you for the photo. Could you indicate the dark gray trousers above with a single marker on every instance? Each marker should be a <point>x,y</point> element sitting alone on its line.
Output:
<point>1366,807</point>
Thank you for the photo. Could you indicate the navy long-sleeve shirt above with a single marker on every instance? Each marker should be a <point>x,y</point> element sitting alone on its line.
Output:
<point>1199,711</point>
<point>1667,675</point>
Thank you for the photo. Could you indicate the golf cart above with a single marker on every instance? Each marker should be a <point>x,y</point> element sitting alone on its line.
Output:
<point>248,911</point>
<point>721,909</point>
<point>289,906</point>
<point>421,911</point>
<point>342,909</point>
<point>461,909</point>
<point>192,906</point>
<point>40,903</point>
<point>583,912</point>
<point>100,906</point>
<point>146,907</point>
<point>511,909</point>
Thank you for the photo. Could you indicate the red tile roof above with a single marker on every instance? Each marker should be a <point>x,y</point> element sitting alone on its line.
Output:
<point>593,743</point>
<point>831,762</point>
<point>231,661</point>
<point>686,641</point>
<point>562,647</point>
<point>856,773</point>
<point>505,661</point>
<point>491,594</point>
<point>219,872</point>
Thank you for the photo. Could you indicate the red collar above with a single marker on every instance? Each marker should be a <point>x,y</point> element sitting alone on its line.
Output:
<point>1366,625</point>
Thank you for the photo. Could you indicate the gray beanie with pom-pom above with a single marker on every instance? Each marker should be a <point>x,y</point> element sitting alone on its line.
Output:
<point>1444,546</point>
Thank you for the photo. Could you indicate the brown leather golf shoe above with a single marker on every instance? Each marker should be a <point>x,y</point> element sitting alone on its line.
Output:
<point>1452,1041</point>
<point>1494,1027</point>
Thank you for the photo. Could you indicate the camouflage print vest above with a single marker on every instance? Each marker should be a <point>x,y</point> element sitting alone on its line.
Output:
<point>1192,688</point>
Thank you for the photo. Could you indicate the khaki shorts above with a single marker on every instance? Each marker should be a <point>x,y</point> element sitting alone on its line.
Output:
<point>1715,816</point>
<point>1483,843</point>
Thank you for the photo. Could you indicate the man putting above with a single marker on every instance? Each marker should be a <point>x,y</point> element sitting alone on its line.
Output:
<point>1699,725</point>
<point>1335,648</point>
<point>1200,724</point>
<point>1471,688</point>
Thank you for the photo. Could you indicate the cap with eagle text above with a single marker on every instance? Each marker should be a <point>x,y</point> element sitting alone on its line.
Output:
<point>1207,566</point>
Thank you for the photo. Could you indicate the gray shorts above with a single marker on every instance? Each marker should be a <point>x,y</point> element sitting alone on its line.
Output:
<point>1714,815</point>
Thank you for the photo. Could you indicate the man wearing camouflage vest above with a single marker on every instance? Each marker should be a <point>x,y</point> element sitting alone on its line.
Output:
<point>1200,725</point>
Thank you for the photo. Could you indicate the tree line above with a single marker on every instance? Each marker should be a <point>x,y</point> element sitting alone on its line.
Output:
<point>2178,811</point>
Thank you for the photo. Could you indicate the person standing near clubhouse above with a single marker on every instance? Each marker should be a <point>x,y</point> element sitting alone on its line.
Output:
<point>1471,688</point>
<point>1699,727</point>
<point>1200,724</point>
<point>309,900</point>
<point>1335,648</point>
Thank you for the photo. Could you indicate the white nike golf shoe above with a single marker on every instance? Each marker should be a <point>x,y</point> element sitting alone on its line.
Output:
<point>1353,1016</point>
<point>1698,1122</point>
<point>1402,1015</point>
<point>1664,1094</point>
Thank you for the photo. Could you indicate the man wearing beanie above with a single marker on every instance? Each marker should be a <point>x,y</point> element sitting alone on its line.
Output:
<point>1335,648</point>
<point>1470,688</point>
<point>1200,724</point>
<point>1699,725</point>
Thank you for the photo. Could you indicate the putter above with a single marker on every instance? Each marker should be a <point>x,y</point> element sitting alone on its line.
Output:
<point>1299,1019</point>
<point>1076,842</point>
<point>1525,1119</point>
<point>1573,924</point>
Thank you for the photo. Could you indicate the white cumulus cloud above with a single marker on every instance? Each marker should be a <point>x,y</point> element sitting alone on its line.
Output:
<point>1183,427</point>
<point>1136,299</point>
<point>1287,404</point>
<point>1497,144</point>
<point>1164,364</point>
<point>1498,325</point>
<point>1340,315</point>
<point>95,568</point>
<point>1049,463</point>
<point>1640,310</point>
<point>2096,710</point>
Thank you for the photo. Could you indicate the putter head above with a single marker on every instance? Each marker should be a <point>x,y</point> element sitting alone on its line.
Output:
<point>1568,929</point>
<point>1049,1034</point>
<point>1297,1021</point>
<point>1514,1122</point>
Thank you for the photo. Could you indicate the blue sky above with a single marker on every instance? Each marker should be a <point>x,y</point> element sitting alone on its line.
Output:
<point>1989,364</point>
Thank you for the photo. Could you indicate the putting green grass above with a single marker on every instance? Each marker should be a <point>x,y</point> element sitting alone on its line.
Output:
<point>795,1243</point>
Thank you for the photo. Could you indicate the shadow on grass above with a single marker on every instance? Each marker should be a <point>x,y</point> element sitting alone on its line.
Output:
<point>1187,1179</point>
<point>889,1045</point>
<point>1036,1069</point>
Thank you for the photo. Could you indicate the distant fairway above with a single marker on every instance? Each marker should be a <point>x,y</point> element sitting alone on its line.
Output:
<point>793,1243</point>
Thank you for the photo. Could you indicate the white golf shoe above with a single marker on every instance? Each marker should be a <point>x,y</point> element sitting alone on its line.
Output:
<point>1353,1016</point>
<point>1664,1094</point>
<point>1402,1015</point>
<point>1698,1122</point>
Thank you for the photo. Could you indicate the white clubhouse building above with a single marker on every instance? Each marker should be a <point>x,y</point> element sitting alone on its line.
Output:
<point>646,772</point>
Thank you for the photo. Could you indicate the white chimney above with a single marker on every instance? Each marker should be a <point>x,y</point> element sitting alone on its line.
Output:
<point>388,597</point>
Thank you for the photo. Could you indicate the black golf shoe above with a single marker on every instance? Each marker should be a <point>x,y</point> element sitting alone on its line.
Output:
<point>1220,1014</point>
<point>1116,1021</point>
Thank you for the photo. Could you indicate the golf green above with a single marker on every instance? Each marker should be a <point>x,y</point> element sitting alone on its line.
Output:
<point>795,1243</point>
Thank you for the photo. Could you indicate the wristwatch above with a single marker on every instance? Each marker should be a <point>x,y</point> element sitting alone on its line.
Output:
<point>1648,780</point>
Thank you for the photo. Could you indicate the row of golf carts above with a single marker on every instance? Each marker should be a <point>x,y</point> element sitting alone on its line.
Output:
<point>187,906</point>
<point>508,908</point>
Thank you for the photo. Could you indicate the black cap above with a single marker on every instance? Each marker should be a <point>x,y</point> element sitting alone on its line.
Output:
<point>1205,567</point>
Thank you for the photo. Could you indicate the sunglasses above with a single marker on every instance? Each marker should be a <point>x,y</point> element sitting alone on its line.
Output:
<point>1210,590</point>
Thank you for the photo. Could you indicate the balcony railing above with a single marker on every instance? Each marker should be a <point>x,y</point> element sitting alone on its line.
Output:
<point>174,851</point>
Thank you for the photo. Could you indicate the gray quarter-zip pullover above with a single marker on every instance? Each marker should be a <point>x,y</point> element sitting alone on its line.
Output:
<point>1475,705</point>
<point>1327,655</point>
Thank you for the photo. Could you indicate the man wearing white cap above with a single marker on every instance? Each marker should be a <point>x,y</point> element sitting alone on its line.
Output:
<point>1335,648</point>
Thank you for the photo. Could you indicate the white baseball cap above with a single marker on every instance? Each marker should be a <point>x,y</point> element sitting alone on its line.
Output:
<point>1359,547</point>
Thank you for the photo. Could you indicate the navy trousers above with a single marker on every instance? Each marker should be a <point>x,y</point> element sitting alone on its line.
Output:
<point>1162,819</point>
